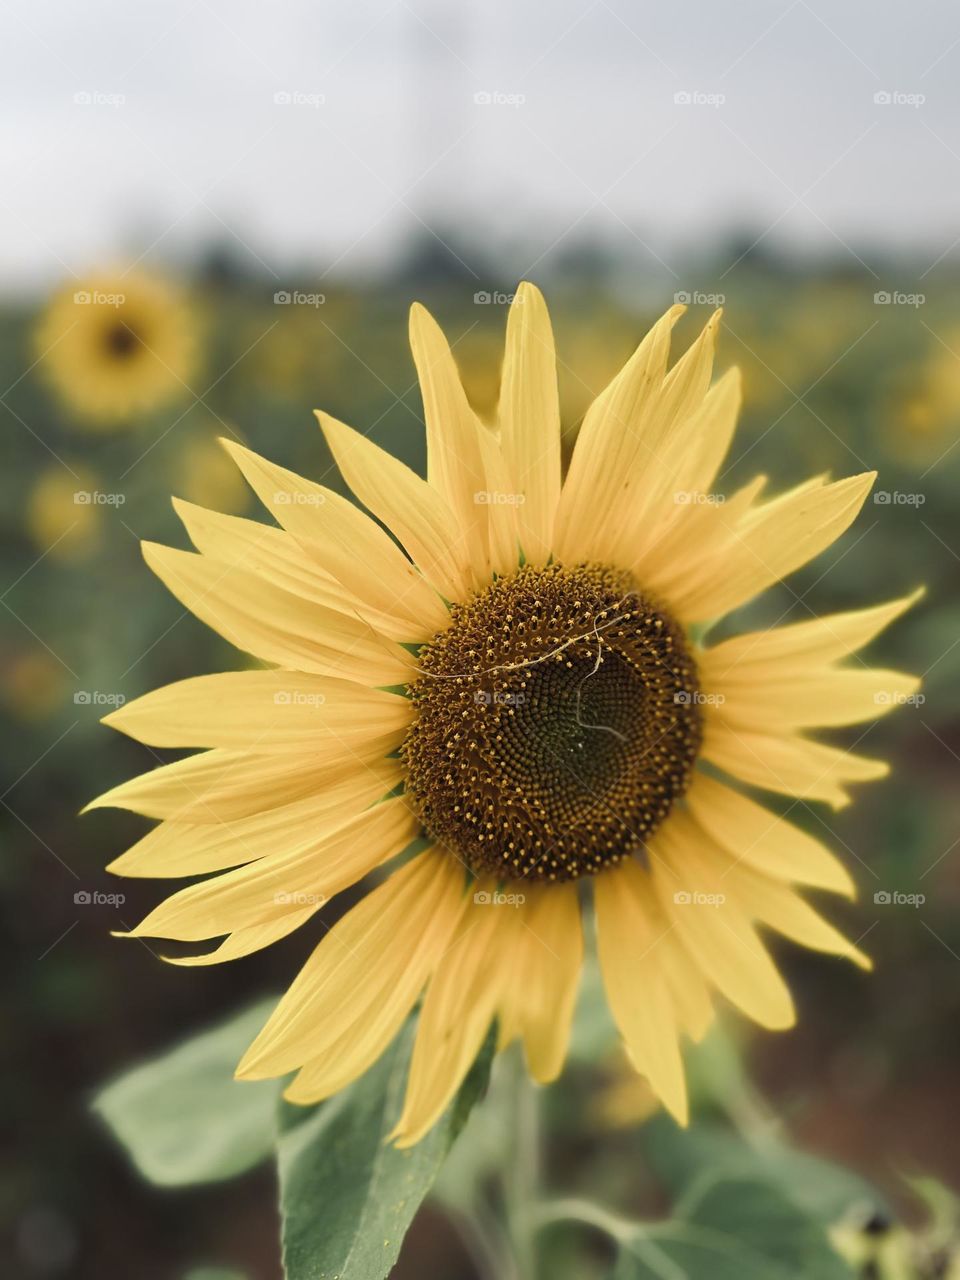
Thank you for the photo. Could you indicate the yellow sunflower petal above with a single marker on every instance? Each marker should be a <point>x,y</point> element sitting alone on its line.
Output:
<point>457,1010</point>
<point>418,946</point>
<point>713,926</point>
<point>760,839</point>
<point>349,545</point>
<point>638,499</point>
<point>254,615</point>
<point>455,458</point>
<point>676,549</point>
<point>611,443</point>
<point>635,980</point>
<point>267,710</point>
<point>222,786</point>
<point>502,521</point>
<point>782,909</point>
<point>767,544</point>
<point>783,696</point>
<point>814,643</point>
<point>412,509</point>
<point>280,884</point>
<point>245,942</point>
<point>177,848</point>
<point>265,550</point>
<point>388,943</point>
<point>539,1001</point>
<point>687,466</point>
<point>790,764</point>
<point>529,415</point>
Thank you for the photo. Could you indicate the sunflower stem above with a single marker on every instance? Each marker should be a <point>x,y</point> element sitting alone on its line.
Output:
<point>521,1176</point>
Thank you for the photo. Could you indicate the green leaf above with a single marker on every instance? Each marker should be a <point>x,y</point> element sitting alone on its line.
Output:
<point>733,1229</point>
<point>826,1191</point>
<point>347,1197</point>
<point>184,1119</point>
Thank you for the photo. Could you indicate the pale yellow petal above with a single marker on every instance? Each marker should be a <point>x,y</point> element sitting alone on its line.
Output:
<point>222,786</point>
<point>775,697</point>
<point>611,443</point>
<point>415,512</point>
<point>539,1000</point>
<point>457,1010</point>
<point>178,848</point>
<point>790,764</point>
<point>757,837</point>
<point>634,975</point>
<point>266,550</point>
<point>307,874</point>
<point>639,498</point>
<point>275,625</point>
<point>418,945</point>
<point>350,546</point>
<point>529,416</point>
<point>246,941</point>
<point>779,907</point>
<point>265,710</point>
<point>687,468</point>
<point>713,926</point>
<point>455,458</point>
<point>768,543</point>
<point>813,643</point>
<point>676,550</point>
<point>388,943</point>
<point>501,507</point>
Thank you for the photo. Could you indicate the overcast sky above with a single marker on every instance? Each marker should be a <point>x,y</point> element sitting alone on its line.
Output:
<point>330,132</point>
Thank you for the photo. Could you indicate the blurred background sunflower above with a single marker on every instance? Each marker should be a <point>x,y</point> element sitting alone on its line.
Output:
<point>121,346</point>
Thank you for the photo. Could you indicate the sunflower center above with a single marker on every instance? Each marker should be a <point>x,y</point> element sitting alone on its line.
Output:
<point>121,341</point>
<point>557,721</point>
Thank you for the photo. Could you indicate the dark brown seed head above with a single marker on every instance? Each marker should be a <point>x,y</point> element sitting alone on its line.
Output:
<point>557,722</point>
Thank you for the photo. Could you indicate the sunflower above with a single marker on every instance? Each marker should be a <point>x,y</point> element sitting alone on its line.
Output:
<point>519,678</point>
<point>120,345</point>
